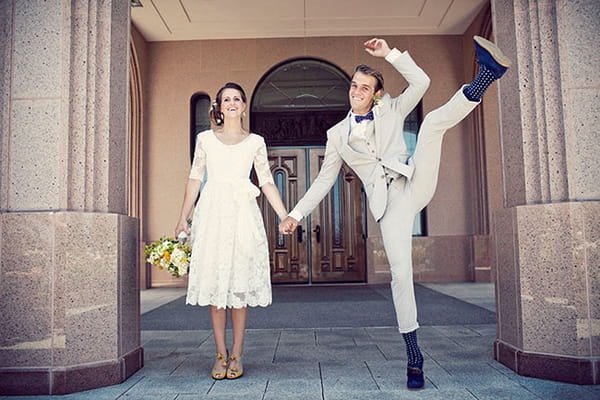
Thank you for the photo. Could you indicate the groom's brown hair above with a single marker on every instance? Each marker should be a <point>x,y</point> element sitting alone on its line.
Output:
<point>365,69</point>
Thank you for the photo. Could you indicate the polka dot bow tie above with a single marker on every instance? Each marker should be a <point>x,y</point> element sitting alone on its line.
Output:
<point>368,116</point>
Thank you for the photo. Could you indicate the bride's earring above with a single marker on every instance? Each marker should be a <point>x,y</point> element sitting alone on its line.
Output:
<point>244,114</point>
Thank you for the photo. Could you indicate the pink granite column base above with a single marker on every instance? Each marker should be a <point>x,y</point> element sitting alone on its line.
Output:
<point>70,301</point>
<point>548,290</point>
<point>580,371</point>
<point>71,379</point>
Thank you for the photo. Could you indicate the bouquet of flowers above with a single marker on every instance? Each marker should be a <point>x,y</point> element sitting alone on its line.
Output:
<point>170,254</point>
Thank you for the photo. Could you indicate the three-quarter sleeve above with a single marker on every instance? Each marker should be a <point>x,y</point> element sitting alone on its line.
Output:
<point>199,163</point>
<point>261,164</point>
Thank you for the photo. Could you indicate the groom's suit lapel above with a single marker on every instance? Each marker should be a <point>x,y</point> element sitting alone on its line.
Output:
<point>343,130</point>
<point>378,112</point>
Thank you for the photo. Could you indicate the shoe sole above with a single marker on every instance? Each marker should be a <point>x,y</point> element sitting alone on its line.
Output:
<point>494,51</point>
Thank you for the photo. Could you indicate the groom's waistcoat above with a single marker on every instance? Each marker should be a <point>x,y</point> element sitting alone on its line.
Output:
<point>390,154</point>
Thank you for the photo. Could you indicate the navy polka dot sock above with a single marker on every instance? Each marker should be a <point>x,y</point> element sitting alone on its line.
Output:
<point>415,358</point>
<point>474,91</point>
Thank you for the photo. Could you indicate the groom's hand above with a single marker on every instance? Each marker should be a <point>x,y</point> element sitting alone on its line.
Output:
<point>377,47</point>
<point>288,225</point>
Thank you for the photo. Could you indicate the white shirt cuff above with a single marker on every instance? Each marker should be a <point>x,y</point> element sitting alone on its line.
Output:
<point>393,55</point>
<point>296,215</point>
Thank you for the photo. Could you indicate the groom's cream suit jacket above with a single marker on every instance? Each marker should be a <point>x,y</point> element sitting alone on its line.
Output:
<point>389,156</point>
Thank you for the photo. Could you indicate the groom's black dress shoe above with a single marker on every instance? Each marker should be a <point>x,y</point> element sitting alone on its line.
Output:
<point>415,378</point>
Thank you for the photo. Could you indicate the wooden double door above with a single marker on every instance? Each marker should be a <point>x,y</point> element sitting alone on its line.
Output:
<point>329,245</point>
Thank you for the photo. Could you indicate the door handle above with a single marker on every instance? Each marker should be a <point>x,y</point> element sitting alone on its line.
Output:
<point>299,232</point>
<point>317,231</point>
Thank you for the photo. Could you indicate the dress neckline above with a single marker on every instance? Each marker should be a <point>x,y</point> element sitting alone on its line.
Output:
<point>232,144</point>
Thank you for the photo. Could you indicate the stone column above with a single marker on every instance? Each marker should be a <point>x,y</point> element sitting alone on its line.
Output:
<point>68,272</point>
<point>548,235</point>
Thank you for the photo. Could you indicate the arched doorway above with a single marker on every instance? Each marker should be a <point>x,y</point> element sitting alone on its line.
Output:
<point>292,107</point>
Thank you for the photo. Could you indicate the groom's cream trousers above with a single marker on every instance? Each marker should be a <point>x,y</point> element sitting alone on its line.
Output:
<point>406,197</point>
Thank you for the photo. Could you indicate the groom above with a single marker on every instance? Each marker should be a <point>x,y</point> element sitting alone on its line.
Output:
<point>398,186</point>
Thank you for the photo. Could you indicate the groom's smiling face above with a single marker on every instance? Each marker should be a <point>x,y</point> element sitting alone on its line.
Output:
<point>362,93</point>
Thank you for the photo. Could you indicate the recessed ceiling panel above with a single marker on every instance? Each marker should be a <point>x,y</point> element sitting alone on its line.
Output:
<point>164,20</point>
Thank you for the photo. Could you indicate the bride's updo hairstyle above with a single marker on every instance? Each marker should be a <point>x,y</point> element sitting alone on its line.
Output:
<point>215,113</point>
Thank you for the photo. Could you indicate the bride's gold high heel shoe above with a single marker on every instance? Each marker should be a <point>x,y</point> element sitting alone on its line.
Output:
<point>218,375</point>
<point>235,372</point>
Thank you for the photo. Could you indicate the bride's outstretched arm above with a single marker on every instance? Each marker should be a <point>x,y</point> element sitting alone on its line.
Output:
<point>191,193</point>
<point>274,198</point>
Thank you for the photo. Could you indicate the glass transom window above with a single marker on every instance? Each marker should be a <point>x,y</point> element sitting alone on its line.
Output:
<point>302,85</point>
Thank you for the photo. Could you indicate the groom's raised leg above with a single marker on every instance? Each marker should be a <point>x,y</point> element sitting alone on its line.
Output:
<point>426,159</point>
<point>428,151</point>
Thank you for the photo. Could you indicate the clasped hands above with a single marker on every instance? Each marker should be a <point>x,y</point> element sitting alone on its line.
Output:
<point>288,225</point>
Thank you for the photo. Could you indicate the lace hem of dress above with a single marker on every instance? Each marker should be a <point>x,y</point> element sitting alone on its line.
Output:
<point>233,301</point>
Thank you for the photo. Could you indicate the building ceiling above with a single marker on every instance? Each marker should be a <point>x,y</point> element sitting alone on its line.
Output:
<point>167,20</point>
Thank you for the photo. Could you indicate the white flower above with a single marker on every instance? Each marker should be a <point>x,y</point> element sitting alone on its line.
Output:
<point>178,257</point>
<point>180,260</point>
<point>183,269</point>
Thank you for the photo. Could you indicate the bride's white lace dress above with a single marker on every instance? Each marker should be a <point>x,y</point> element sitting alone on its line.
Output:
<point>230,256</point>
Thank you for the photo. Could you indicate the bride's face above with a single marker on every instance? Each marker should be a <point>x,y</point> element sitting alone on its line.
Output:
<point>232,104</point>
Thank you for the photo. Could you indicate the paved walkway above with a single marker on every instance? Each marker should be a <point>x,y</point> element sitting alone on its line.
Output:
<point>332,363</point>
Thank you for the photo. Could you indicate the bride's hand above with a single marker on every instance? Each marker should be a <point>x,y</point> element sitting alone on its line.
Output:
<point>182,226</point>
